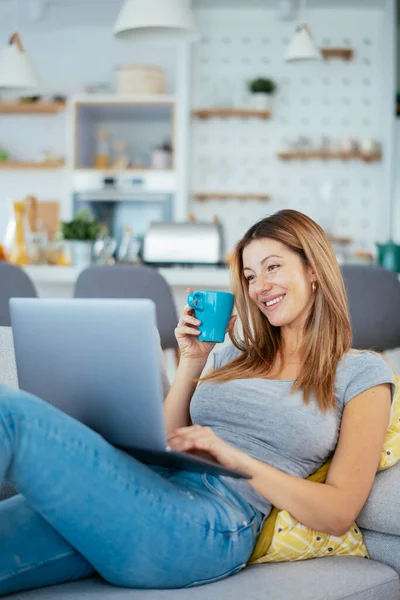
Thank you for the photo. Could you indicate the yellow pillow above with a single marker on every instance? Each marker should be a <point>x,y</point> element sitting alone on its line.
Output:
<point>282,538</point>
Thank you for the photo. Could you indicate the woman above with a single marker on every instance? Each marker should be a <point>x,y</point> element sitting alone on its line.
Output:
<point>279,401</point>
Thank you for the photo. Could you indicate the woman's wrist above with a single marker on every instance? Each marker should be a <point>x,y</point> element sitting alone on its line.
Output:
<point>192,364</point>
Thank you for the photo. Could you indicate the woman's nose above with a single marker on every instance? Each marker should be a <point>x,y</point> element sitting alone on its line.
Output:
<point>263,285</point>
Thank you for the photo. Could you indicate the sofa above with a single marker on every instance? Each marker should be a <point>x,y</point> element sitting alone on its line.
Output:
<point>330,578</point>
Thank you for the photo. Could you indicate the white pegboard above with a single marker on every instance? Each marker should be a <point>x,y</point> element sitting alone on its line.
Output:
<point>329,98</point>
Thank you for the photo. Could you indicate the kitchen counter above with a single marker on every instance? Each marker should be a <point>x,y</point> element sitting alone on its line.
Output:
<point>59,282</point>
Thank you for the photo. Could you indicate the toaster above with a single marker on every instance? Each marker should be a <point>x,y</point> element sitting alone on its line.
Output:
<point>184,243</point>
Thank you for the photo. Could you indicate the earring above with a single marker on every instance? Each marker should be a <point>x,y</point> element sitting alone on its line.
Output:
<point>314,287</point>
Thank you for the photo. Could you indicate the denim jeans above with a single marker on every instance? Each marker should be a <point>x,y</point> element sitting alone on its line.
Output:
<point>86,507</point>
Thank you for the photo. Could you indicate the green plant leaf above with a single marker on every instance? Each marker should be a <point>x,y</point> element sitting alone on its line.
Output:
<point>82,227</point>
<point>262,85</point>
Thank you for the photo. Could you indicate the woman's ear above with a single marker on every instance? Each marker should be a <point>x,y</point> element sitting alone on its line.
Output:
<point>311,275</point>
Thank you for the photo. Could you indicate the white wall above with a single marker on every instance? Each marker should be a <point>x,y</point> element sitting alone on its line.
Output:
<point>331,98</point>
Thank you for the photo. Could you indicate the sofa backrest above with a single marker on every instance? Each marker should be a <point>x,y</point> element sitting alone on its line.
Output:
<point>8,370</point>
<point>374,303</point>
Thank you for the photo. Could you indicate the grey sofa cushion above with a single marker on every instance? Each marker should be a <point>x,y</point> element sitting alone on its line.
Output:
<point>381,512</point>
<point>8,376</point>
<point>383,547</point>
<point>365,286</point>
<point>8,371</point>
<point>333,578</point>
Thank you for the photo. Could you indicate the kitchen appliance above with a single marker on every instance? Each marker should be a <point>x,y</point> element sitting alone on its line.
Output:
<point>185,243</point>
<point>120,199</point>
<point>389,256</point>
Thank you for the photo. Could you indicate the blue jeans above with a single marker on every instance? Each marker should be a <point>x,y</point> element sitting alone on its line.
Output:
<point>86,507</point>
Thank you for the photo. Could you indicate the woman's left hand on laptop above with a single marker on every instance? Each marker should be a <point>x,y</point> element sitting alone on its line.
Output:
<point>202,441</point>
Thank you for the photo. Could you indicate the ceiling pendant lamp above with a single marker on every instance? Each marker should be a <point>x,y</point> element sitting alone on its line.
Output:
<point>155,21</point>
<point>16,70</point>
<point>302,45</point>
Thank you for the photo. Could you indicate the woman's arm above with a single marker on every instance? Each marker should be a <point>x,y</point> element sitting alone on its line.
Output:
<point>333,506</point>
<point>176,405</point>
<point>193,358</point>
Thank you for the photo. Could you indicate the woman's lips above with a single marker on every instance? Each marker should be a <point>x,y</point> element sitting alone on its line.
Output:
<point>275,303</point>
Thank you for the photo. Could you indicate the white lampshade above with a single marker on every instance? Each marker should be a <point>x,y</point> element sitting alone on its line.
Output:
<point>15,68</point>
<point>155,21</point>
<point>302,46</point>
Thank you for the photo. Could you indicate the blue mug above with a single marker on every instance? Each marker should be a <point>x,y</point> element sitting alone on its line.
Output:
<point>213,309</point>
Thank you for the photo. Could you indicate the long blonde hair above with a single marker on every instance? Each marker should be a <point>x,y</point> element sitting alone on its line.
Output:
<point>327,333</point>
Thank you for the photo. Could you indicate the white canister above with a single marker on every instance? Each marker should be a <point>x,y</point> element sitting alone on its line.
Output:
<point>368,146</point>
<point>161,159</point>
<point>81,252</point>
<point>261,101</point>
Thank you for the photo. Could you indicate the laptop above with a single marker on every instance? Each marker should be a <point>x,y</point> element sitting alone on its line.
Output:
<point>99,361</point>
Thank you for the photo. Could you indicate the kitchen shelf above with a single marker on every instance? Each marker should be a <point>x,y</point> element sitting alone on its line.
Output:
<point>228,196</point>
<point>123,99</point>
<point>337,239</point>
<point>111,171</point>
<point>343,53</point>
<point>31,107</point>
<point>209,113</point>
<point>313,154</point>
<point>49,164</point>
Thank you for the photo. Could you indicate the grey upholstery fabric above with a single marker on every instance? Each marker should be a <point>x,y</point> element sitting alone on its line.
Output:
<point>366,285</point>
<point>127,281</point>
<point>8,376</point>
<point>383,548</point>
<point>381,512</point>
<point>333,578</point>
<point>8,370</point>
<point>14,283</point>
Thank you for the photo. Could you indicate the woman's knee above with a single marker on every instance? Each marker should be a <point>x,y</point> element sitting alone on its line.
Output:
<point>16,406</point>
<point>9,395</point>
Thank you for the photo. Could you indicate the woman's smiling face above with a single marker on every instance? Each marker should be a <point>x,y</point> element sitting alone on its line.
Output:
<point>278,282</point>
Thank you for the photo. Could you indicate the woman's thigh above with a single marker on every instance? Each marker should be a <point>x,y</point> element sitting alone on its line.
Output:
<point>136,526</point>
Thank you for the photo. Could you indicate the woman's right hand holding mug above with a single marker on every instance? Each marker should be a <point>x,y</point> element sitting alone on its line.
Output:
<point>187,332</point>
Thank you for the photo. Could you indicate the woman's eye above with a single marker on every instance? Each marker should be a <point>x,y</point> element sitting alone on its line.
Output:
<point>250,278</point>
<point>273,267</point>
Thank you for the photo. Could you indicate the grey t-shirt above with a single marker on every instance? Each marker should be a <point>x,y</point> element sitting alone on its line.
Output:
<point>262,418</point>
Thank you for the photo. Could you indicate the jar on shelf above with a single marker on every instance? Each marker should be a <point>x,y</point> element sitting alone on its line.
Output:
<point>161,157</point>
<point>102,156</point>
<point>18,254</point>
<point>121,157</point>
<point>128,250</point>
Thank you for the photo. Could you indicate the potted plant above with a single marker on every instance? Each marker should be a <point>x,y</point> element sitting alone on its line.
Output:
<point>262,90</point>
<point>80,234</point>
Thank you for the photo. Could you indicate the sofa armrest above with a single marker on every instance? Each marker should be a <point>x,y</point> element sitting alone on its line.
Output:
<point>381,511</point>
